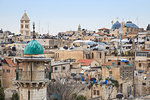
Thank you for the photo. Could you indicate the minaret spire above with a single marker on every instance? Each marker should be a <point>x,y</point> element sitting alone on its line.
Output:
<point>34,36</point>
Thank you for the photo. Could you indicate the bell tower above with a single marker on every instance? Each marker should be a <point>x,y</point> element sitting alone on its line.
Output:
<point>79,28</point>
<point>32,80</point>
<point>25,25</point>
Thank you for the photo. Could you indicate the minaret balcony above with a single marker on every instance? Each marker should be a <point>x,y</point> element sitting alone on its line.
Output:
<point>32,76</point>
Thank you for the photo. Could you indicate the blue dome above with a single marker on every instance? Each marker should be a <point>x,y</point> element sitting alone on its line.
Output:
<point>131,25</point>
<point>33,47</point>
<point>116,25</point>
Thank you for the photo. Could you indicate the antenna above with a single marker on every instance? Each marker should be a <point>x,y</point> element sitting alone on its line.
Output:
<point>48,28</point>
<point>137,20</point>
<point>39,26</point>
<point>34,36</point>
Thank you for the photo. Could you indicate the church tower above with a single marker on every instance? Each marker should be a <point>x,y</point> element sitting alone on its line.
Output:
<point>32,80</point>
<point>25,25</point>
<point>79,28</point>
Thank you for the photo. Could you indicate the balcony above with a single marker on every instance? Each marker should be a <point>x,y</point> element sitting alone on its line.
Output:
<point>32,76</point>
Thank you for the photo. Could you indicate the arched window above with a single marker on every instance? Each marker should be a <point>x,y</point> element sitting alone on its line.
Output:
<point>92,55</point>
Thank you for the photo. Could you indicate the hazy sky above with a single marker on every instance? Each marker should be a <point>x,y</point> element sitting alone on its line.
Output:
<point>63,15</point>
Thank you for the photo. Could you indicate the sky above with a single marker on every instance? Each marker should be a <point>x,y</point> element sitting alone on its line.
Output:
<point>64,15</point>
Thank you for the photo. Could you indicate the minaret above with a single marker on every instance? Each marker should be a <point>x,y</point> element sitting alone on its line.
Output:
<point>122,25</point>
<point>25,25</point>
<point>33,79</point>
<point>79,28</point>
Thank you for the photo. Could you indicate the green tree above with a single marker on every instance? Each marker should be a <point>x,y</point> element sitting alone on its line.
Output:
<point>115,51</point>
<point>122,54</point>
<point>81,97</point>
<point>78,97</point>
<point>2,94</point>
<point>15,96</point>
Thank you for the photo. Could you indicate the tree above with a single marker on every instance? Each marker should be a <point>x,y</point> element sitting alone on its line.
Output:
<point>115,51</point>
<point>15,96</point>
<point>64,90</point>
<point>122,54</point>
<point>81,97</point>
<point>76,97</point>
<point>2,94</point>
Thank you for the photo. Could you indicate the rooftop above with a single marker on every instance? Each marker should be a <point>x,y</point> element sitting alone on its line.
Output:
<point>85,62</point>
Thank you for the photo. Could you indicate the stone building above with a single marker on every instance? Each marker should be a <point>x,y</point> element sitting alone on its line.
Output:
<point>142,60</point>
<point>9,72</point>
<point>61,70</point>
<point>103,92</point>
<point>126,28</point>
<point>142,83</point>
<point>25,27</point>
<point>33,79</point>
<point>122,71</point>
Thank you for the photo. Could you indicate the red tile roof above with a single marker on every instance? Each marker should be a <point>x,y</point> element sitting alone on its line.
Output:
<point>9,62</point>
<point>85,62</point>
<point>109,63</point>
<point>103,29</point>
<point>145,50</point>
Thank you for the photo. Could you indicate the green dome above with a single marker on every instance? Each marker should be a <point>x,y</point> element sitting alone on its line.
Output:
<point>33,47</point>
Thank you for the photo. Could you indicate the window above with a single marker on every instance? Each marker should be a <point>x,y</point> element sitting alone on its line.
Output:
<point>97,92</point>
<point>92,55</point>
<point>110,72</point>
<point>3,70</point>
<point>8,70</point>
<point>94,92</point>
<point>56,68</point>
<point>26,26</point>
<point>28,95</point>
<point>21,26</point>
<point>100,55</point>
<point>140,64</point>
<point>127,29</point>
<point>129,58</point>
<point>144,83</point>
<point>64,68</point>
<point>58,55</point>
<point>148,64</point>
<point>132,58</point>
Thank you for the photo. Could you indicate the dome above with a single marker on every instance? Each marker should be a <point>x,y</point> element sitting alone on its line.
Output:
<point>116,25</point>
<point>131,25</point>
<point>33,47</point>
<point>1,31</point>
<point>148,27</point>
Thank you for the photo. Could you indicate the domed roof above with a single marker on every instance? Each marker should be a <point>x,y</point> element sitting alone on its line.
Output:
<point>131,25</point>
<point>1,31</point>
<point>148,27</point>
<point>116,25</point>
<point>33,47</point>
